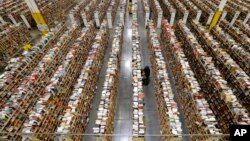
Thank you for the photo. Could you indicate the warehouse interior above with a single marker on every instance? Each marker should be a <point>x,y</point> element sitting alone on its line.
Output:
<point>123,70</point>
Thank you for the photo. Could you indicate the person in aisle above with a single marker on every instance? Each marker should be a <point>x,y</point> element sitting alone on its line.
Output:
<point>146,74</point>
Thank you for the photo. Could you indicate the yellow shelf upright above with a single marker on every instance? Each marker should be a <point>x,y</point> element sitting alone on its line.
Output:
<point>217,14</point>
<point>38,17</point>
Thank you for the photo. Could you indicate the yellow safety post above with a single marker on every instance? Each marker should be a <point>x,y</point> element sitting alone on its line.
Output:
<point>36,14</point>
<point>217,14</point>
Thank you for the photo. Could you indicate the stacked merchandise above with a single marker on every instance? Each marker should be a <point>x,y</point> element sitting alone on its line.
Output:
<point>235,76</point>
<point>192,8</point>
<point>168,8</point>
<point>18,67</point>
<point>212,5</point>
<point>45,116</point>
<point>75,116</point>
<point>198,114</point>
<point>138,95</point>
<point>205,9</point>
<point>146,11</point>
<point>102,9</point>
<point>90,9</point>
<point>12,40</point>
<point>51,10</point>
<point>236,51</point>
<point>181,9</point>
<point>237,34</point>
<point>77,11</point>
<point>156,11</point>
<point>220,97</point>
<point>15,9</point>
<point>245,28</point>
<point>232,7</point>
<point>106,109</point>
<point>145,6</point>
<point>167,107</point>
<point>113,8</point>
<point>13,112</point>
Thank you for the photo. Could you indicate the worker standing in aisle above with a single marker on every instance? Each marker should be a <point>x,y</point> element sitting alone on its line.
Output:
<point>146,73</point>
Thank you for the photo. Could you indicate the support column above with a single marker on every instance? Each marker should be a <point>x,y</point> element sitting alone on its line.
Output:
<point>223,16</point>
<point>236,15</point>
<point>159,20</point>
<point>2,20</point>
<point>109,18</point>
<point>198,16</point>
<point>186,13</point>
<point>12,19</point>
<point>247,18</point>
<point>173,13</point>
<point>83,15</point>
<point>97,21</point>
<point>217,14</point>
<point>25,21</point>
<point>146,17</point>
<point>38,17</point>
<point>211,15</point>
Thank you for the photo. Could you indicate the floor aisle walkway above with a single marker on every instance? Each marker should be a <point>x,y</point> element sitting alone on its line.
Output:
<point>151,111</point>
<point>96,101</point>
<point>123,116</point>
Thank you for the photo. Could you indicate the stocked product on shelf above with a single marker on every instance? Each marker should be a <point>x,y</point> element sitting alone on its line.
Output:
<point>106,109</point>
<point>57,92</point>
<point>19,102</point>
<point>156,11</point>
<point>21,66</point>
<point>197,112</point>
<point>113,8</point>
<point>102,9</point>
<point>181,9</point>
<point>51,10</point>
<point>235,76</point>
<point>168,8</point>
<point>75,116</point>
<point>220,97</point>
<point>207,11</point>
<point>77,11</point>
<point>90,9</point>
<point>167,106</point>
<point>231,7</point>
<point>237,34</point>
<point>12,40</point>
<point>138,126</point>
<point>245,28</point>
<point>236,51</point>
